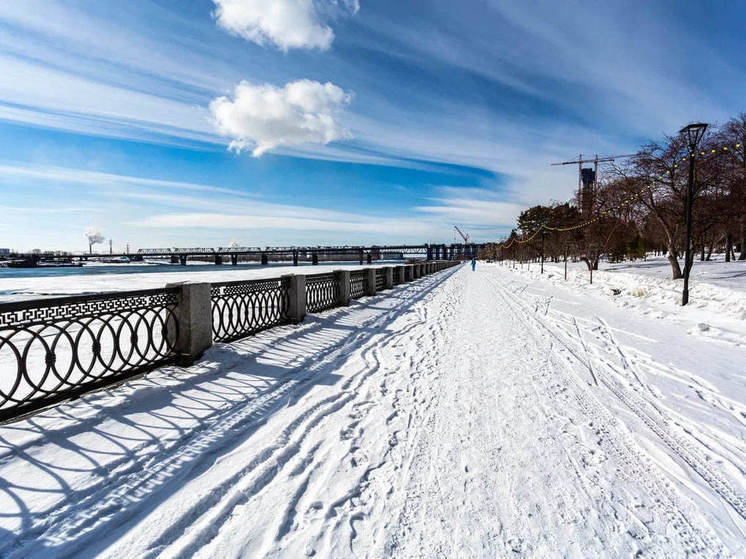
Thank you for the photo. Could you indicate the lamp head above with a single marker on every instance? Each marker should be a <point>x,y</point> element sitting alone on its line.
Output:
<point>694,133</point>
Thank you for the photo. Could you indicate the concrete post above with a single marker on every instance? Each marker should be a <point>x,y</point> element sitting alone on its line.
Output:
<point>388,278</point>
<point>400,274</point>
<point>343,276</point>
<point>265,259</point>
<point>297,298</point>
<point>194,318</point>
<point>371,277</point>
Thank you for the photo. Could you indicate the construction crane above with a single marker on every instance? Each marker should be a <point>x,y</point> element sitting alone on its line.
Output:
<point>596,160</point>
<point>463,236</point>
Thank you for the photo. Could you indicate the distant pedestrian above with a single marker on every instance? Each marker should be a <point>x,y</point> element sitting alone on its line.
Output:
<point>473,264</point>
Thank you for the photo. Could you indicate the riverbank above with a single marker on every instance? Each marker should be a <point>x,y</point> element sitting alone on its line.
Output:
<point>21,284</point>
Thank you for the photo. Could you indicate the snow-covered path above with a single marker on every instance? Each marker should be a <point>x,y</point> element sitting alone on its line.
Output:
<point>467,414</point>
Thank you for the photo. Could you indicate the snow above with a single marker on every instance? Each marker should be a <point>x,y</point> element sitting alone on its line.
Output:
<point>29,286</point>
<point>466,414</point>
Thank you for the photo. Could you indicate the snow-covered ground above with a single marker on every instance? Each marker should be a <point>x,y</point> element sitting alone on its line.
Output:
<point>467,414</point>
<point>715,271</point>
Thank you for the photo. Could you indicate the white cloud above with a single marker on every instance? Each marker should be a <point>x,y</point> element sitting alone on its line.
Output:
<point>286,23</point>
<point>262,117</point>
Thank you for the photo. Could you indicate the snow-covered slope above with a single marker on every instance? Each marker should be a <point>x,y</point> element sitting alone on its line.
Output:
<point>483,414</point>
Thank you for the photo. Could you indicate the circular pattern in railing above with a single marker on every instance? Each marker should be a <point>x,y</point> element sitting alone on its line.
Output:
<point>55,347</point>
<point>322,292</point>
<point>358,283</point>
<point>243,308</point>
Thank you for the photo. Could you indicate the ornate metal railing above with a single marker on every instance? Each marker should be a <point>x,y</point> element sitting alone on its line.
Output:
<point>358,283</point>
<point>322,292</point>
<point>241,308</point>
<point>398,275</point>
<point>53,349</point>
<point>380,279</point>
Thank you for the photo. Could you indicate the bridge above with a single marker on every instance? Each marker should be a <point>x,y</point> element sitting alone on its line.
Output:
<point>296,254</point>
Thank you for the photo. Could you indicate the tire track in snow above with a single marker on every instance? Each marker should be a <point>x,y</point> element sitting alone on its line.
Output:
<point>653,417</point>
<point>398,457</point>
<point>73,525</point>
<point>200,538</point>
<point>637,466</point>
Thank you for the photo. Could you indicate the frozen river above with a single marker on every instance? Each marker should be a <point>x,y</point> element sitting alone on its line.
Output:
<point>25,283</point>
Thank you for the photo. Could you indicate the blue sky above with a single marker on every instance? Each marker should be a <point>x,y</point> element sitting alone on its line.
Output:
<point>349,121</point>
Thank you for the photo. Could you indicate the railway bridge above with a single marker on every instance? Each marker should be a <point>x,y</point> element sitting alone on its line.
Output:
<point>265,255</point>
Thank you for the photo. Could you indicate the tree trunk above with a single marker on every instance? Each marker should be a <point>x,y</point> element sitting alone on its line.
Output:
<point>675,267</point>
<point>702,253</point>
<point>743,240</point>
<point>728,246</point>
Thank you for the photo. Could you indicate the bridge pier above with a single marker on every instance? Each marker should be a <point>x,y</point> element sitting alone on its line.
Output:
<point>315,258</point>
<point>295,258</point>
<point>265,259</point>
<point>218,260</point>
<point>370,258</point>
<point>174,259</point>
<point>234,259</point>
<point>429,253</point>
<point>183,259</point>
<point>360,253</point>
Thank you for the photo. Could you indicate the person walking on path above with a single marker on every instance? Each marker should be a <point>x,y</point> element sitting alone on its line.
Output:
<point>473,264</point>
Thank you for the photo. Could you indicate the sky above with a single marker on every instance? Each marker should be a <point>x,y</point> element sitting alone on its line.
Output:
<point>190,123</point>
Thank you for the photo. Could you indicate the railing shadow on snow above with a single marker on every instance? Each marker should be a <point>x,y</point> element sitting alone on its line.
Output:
<point>161,430</point>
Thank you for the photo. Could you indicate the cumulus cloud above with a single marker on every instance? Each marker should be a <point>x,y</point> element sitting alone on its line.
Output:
<point>286,23</point>
<point>262,117</point>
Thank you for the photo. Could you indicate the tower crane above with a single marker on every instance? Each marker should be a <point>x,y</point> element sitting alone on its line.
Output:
<point>596,160</point>
<point>463,236</point>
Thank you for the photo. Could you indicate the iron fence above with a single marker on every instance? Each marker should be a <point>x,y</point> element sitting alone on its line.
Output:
<point>322,292</point>
<point>380,279</point>
<point>55,349</point>
<point>398,275</point>
<point>358,283</point>
<point>241,308</point>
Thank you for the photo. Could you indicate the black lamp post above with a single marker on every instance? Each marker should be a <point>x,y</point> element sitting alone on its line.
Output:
<point>694,133</point>
<point>543,236</point>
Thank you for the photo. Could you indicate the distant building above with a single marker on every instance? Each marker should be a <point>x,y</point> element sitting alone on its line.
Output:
<point>4,251</point>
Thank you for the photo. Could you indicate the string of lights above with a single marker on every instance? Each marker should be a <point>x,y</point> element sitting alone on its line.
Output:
<point>655,184</point>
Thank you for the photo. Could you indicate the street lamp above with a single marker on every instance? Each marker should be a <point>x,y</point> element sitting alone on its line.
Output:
<point>543,236</point>
<point>694,133</point>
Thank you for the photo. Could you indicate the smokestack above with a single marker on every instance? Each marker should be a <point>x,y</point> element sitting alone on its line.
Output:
<point>94,236</point>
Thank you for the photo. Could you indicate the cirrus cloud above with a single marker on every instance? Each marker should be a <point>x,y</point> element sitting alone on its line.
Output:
<point>286,23</point>
<point>262,117</point>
